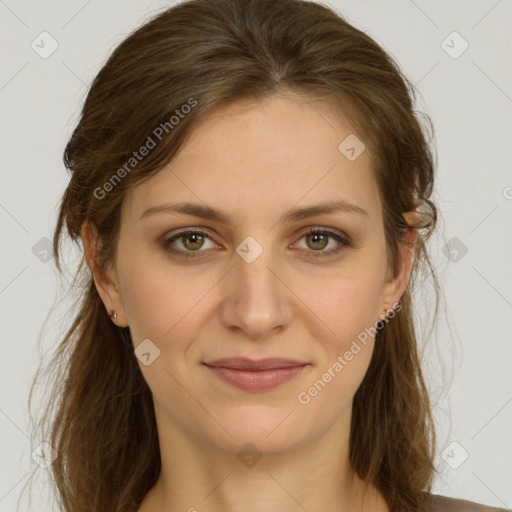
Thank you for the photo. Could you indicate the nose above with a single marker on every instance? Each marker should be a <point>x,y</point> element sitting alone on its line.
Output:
<point>257,301</point>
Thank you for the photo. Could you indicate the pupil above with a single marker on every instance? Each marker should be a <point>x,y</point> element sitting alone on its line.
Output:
<point>194,237</point>
<point>319,237</point>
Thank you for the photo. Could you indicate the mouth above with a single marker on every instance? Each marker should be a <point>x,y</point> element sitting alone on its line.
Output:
<point>253,375</point>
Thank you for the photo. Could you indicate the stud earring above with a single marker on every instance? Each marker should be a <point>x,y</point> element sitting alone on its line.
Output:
<point>113,314</point>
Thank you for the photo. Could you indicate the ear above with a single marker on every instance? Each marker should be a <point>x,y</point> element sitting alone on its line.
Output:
<point>106,285</point>
<point>395,285</point>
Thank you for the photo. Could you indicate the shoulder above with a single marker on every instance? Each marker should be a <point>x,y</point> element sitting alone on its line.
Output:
<point>438,503</point>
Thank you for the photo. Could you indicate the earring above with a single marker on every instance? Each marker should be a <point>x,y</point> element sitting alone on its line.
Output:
<point>113,314</point>
<point>384,315</point>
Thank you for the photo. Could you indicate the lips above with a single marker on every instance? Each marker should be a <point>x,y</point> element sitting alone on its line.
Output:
<point>249,364</point>
<point>253,375</point>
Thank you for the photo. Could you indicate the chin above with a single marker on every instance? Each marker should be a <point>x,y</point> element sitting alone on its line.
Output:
<point>269,429</point>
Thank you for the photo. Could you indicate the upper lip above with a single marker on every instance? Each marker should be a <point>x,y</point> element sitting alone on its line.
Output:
<point>242,363</point>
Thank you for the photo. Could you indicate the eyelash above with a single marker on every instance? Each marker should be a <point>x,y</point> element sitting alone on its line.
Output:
<point>344,243</point>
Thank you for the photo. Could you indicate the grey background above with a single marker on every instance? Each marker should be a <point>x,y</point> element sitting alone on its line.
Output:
<point>469,99</point>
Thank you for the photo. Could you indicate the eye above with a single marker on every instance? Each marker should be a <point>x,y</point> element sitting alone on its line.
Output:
<point>318,239</point>
<point>193,241</point>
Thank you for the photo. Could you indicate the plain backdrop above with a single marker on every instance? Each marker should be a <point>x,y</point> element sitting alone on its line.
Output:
<point>457,53</point>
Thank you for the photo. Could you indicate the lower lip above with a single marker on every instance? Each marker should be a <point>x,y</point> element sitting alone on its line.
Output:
<point>256,380</point>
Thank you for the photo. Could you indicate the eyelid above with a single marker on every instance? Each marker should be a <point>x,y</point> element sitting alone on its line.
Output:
<point>324,229</point>
<point>173,236</point>
<point>340,237</point>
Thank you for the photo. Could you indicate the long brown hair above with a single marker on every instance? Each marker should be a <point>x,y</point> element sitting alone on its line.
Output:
<point>203,53</point>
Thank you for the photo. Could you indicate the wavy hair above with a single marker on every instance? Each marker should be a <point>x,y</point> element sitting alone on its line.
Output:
<point>99,416</point>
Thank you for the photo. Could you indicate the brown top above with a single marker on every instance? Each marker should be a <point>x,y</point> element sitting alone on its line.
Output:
<point>438,503</point>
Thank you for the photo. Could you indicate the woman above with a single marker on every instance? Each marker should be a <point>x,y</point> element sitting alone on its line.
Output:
<point>252,189</point>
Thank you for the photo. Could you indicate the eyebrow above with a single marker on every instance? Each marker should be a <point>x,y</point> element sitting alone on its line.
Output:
<point>207,212</point>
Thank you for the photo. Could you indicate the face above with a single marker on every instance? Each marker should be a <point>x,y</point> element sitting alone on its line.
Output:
<point>256,282</point>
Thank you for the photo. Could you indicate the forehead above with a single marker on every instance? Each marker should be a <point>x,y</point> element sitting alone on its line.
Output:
<point>249,156</point>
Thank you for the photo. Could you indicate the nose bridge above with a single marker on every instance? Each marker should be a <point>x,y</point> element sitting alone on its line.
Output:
<point>253,266</point>
<point>257,299</point>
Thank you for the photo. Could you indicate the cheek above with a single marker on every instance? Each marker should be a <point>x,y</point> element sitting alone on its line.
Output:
<point>350,310</point>
<point>164,307</point>
<point>156,296</point>
<point>348,302</point>
<point>168,305</point>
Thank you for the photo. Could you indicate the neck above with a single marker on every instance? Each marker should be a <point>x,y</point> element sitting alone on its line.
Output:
<point>198,476</point>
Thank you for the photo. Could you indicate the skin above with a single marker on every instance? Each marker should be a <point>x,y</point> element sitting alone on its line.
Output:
<point>255,161</point>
